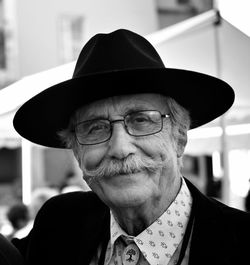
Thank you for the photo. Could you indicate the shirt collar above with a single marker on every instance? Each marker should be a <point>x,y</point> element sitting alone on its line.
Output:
<point>160,240</point>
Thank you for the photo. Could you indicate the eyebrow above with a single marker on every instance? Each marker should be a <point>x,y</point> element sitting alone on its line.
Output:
<point>136,106</point>
<point>103,116</point>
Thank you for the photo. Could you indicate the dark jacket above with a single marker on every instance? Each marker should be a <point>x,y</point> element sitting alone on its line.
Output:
<point>69,228</point>
<point>9,255</point>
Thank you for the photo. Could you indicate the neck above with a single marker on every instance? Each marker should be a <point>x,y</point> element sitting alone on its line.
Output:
<point>133,220</point>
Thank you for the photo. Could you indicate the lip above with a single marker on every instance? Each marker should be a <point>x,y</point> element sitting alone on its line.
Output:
<point>124,177</point>
<point>125,173</point>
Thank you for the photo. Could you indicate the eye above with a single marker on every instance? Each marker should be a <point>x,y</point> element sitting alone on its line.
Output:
<point>93,127</point>
<point>139,118</point>
<point>98,126</point>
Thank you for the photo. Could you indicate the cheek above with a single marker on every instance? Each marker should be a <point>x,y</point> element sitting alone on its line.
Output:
<point>90,157</point>
<point>160,146</point>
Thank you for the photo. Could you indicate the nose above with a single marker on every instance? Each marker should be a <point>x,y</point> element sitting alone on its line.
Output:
<point>121,143</point>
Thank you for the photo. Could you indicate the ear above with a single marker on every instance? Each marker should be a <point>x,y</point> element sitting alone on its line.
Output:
<point>76,155</point>
<point>181,141</point>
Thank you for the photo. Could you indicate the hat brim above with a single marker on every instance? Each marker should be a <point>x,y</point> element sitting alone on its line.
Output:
<point>41,117</point>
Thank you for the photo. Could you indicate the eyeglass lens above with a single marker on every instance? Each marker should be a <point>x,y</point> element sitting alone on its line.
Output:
<point>139,123</point>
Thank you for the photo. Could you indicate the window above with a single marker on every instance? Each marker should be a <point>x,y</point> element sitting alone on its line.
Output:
<point>2,39</point>
<point>70,37</point>
<point>2,50</point>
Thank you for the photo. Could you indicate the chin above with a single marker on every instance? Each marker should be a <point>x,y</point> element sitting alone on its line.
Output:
<point>128,198</point>
<point>124,192</point>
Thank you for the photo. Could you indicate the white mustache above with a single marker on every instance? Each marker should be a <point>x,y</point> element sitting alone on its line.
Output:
<point>129,165</point>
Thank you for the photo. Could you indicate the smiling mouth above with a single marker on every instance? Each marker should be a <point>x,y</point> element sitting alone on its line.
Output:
<point>124,173</point>
<point>129,172</point>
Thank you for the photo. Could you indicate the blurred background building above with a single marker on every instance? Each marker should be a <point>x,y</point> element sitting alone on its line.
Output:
<point>39,43</point>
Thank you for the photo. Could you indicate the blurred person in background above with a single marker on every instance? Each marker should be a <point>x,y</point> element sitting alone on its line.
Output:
<point>38,198</point>
<point>72,182</point>
<point>9,255</point>
<point>19,216</point>
<point>126,116</point>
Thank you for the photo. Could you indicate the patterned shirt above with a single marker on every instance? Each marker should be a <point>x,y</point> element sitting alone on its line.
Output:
<point>159,244</point>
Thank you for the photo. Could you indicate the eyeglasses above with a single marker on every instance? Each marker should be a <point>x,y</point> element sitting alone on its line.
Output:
<point>139,123</point>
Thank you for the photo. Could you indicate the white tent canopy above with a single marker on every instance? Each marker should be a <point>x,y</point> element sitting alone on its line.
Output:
<point>197,44</point>
<point>201,44</point>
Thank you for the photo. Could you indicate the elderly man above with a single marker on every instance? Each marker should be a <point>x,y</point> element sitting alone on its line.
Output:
<point>126,116</point>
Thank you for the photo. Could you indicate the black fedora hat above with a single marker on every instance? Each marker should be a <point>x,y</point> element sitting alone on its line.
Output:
<point>118,63</point>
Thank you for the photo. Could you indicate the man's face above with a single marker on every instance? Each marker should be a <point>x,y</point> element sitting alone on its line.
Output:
<point>135,183</point>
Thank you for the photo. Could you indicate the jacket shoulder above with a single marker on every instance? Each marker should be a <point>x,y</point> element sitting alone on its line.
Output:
<point>74,200</point>
<point>67,226</point>
<point>71,206</point>
<point>8,253</point>
<point>208,208</point>
<point>234,217</point>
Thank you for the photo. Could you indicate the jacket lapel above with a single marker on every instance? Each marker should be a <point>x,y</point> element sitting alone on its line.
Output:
<point>96,231</point>
<point>212,242</point>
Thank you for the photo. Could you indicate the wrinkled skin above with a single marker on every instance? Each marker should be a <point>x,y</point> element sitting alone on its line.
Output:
<point>136,199</point>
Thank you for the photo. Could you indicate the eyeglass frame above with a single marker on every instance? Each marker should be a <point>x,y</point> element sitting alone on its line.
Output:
<point>167,115</point>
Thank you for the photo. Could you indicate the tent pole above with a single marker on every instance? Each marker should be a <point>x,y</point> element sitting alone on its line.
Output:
<point>26,171</point>
<point>224,143</point>
<point>225,161</point>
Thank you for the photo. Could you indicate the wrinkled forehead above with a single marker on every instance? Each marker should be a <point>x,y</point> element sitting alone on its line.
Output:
<point>121,105</point>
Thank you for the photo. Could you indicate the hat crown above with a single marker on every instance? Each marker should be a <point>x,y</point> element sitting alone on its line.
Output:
<point>116,51</point>
<point>117,64</point>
